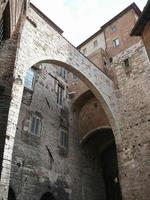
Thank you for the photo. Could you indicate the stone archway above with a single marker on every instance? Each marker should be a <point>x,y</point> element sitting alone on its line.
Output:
<point>99,147</point>
<point>37,46</point>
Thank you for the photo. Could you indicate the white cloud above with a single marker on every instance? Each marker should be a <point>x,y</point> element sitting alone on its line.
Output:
<point>81,18</point>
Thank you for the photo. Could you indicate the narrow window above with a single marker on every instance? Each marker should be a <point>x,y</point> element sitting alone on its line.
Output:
<point>60,94</point>
<point>127,66</point>
<point>1,29</point>
<point>113,28</point>
<point>126,62</point>
<point>75,77</point>
<point>110,59</point>
<point>95,44</point>
<point>63,73</point>
<point>63,138</point>
<point>116,42</point>
<point>35,125</point>
<point>84,51</point>
<point>29,79</point>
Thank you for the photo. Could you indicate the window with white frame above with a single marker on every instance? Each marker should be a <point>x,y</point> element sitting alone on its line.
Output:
<point>116,42</point>
<point>35,125</point>
<point>63,142</point>
<point>60,94</point>
<point>29,79</point>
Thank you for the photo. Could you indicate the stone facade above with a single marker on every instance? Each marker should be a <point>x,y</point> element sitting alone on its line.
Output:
<point>105,121</point>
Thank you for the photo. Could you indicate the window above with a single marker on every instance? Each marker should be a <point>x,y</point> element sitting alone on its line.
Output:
<point>126,62</point>
<point>63,138</point>
<point>35,125</point>
<point>127,66</point>
<point>116,42</point>
<point>63,73</point>
<point>1,29</point>
<point>84,51</point>
<point>5,24</point>
<point>60,94</point>
<point>110,59</point>
<point>29,79</point>
<point>113,28</point>
<point>75,77</point>
<point>95,43</point>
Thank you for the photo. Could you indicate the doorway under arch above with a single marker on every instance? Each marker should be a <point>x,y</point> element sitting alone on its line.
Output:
<point>47,196</point>
<point>11,194</point>
<point>101,147</point>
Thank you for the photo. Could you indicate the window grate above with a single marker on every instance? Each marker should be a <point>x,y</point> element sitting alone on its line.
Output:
<point>63,138</point>
<point>35,125</point>
<point>1,29</point>
<point>60,94</point>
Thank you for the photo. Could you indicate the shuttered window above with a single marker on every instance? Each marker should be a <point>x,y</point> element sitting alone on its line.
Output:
<point>63,138</point>
<point>35,125</point>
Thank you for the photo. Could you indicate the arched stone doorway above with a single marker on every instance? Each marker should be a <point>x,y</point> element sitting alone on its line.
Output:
<point>47,196</point>
<point>11,194</point>
<point>100,148</point>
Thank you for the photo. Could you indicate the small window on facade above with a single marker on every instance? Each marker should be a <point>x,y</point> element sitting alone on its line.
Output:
<point>127,66</point>
<point>60,94</point>
<point>84,51</point>
<point>110,60</point>
<point>75,77</point>
<point>95,43</point>
<point>126,62</point>
<point>35,125</point>
<point>113,28</point>
<point>105,63</point>
<point>116,42</point>
<point>63,73</point>
<point>63,138</point>
<point>29,79</point>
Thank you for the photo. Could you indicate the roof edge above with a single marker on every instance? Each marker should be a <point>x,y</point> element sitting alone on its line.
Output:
<point>131,6</point>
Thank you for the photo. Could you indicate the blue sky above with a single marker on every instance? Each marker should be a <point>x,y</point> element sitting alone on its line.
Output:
<point>81,18</point>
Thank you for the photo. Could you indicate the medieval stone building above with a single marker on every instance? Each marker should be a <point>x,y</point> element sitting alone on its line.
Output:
<point>74,122</point>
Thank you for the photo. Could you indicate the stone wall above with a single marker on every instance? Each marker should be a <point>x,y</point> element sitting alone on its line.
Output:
<point>146,38</point>
<point>133,100</point>
<point>70,175</point>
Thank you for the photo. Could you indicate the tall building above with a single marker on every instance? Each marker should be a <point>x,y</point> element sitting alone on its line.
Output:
<point>74,121</point>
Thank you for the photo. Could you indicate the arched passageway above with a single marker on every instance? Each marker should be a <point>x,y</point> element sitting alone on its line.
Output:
<point>49,46</point>
<point>47,196</point>
<point>100,148</point>
<point>11,194</point>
